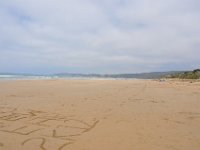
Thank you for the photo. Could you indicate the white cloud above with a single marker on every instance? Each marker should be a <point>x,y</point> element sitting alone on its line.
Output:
<point>99,36</point>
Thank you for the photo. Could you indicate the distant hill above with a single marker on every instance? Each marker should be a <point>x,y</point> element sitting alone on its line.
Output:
<point>151,75</point>
<point>195,74</point>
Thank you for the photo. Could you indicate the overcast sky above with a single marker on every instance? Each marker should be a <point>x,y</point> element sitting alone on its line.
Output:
<point>99,36</point>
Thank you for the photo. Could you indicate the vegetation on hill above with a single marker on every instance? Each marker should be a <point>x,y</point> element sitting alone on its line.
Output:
<point>195,74</point>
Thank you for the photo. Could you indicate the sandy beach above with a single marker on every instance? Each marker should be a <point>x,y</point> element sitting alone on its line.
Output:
<point>99,115</point>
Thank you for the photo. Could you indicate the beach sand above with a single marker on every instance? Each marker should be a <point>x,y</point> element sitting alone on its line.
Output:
<point>99,115</point>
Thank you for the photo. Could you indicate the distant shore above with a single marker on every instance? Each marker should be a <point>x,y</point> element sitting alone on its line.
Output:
<point>150,75</point>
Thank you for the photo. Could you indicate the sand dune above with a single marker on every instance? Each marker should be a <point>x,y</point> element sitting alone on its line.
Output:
<point>99,115</point>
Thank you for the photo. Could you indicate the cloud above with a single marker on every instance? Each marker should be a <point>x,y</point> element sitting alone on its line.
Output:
<point>93,36</point>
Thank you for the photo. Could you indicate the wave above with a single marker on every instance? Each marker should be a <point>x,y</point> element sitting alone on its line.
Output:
<point>18,77</point>
<point>46,77</point>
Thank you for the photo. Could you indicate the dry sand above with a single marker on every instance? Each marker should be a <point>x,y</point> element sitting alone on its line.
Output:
<point>99,115</point>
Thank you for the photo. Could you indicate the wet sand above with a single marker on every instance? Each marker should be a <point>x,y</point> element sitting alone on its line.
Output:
<point>99,115</point>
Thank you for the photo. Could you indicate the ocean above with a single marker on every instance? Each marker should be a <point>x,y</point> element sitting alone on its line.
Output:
<point>46,77</point>
<point>24,77</point>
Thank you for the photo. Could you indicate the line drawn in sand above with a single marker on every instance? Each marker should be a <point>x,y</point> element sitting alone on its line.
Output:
<point>43,127</point>
<point>43,140</point>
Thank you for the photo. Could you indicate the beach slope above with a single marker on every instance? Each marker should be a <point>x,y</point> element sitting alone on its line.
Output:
<point>99,115</point>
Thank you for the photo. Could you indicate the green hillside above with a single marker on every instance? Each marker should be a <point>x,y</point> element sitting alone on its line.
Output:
<point>195,74</point>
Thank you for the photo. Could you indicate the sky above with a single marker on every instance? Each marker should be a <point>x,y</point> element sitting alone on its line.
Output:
<point>99,36</point>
